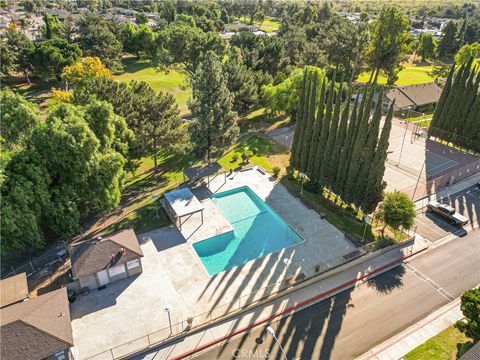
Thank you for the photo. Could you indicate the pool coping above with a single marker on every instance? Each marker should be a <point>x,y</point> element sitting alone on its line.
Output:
<point>199,260</point>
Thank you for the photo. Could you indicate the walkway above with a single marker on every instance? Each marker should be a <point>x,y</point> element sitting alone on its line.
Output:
<point>340,279</point>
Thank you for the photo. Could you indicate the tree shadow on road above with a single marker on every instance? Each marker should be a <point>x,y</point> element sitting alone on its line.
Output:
<point>388,281</point>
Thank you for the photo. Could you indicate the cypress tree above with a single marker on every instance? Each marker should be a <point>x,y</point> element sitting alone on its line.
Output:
<point>309,125</point>
<point>336,165</point>
<point>362,185</point>
<point>373,193</point>
<point>451,105</point>
<point>358,152</point>
<point>344,156</point>
<point>298,124</point>
<point>437,118</point>
<point>319,170</point>
<point>329,155</point>
<point>316,131</point>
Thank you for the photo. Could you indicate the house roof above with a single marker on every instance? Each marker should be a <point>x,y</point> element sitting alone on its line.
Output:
<point>90,257</point>
<point>183,202</point>
<point>36,328</point>
<point>401,100</point>
<point>415,95</point>
<point>13,289</point>
<point>473,353</point>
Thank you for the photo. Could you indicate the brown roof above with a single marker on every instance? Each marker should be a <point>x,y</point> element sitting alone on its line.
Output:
<point>36,328</point>
<point>13,289</point>
<point>401,100</point>
<point>415,95</point>
<point>90,257</point>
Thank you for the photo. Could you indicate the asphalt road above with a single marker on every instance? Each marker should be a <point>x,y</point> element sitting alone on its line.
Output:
<point>434,227</point>
<point>352,322</point>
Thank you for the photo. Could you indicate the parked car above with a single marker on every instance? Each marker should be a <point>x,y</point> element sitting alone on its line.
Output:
<point>448,213</point>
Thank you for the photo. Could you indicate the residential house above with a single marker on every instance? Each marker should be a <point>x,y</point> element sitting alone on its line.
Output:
<point>412,96</point>
<point>96,263</point>
<point>37,328</point>
<point>13,290</point>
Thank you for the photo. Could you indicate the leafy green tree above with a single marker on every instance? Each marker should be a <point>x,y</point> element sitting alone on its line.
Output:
<point>397,210</point>
<point>96,39</point>
<point>129,39</point>
<point>183,45</point>
<point>25,196</point>
<point>470,306</point>
<point>241,83</point>
<point>18,119</point>
<point>389,33</point>
<point>426,46</point>
<point>53,27</point>
<point>51,56</point>
<point>15,53</point>
<point>162,125</point>
<point>448,43</point>
<point>215,128</point>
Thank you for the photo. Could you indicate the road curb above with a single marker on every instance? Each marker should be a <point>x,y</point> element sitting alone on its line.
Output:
<point>304,303</point>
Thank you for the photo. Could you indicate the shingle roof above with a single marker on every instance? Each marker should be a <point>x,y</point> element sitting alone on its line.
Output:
<point>401,100</point>
<point>414,95</point>
<point>90,257</point>
<point>36,328</point>
<point>13,289</point>
<point>473,353</point>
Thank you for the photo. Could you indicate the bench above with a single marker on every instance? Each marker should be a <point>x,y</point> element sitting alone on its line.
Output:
<point>352,255</point>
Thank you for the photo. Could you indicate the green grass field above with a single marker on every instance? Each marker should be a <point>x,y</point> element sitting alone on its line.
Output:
<point>172,81</point>
<point>269,25</point>
<point>450,344</point>
<point>410,75</point>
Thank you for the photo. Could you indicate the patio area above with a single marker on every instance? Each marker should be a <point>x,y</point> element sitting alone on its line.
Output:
<point>173,273</point>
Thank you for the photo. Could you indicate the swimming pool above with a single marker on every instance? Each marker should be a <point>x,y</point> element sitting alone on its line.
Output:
<point>257,232</point>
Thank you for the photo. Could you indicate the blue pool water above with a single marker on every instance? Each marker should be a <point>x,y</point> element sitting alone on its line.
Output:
<point>257,231</point>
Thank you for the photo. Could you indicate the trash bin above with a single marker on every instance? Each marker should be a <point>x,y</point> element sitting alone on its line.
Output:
<point>71,296</point>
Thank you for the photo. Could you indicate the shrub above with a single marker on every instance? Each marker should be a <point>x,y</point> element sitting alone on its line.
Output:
<point>276,171</point>
<point>245,157</point>
<point>234,158</point>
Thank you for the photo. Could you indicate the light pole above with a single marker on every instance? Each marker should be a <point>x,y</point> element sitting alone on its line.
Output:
<point>272,332</point>
<point>303,177</point>
<point>404,134</point>
<point>167,309</point>
<point>367,220</point>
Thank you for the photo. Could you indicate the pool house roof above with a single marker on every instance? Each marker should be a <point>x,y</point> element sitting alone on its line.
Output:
<point>183,202</point>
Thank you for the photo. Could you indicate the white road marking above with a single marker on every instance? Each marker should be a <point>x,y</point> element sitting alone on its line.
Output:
<point>430,282</point>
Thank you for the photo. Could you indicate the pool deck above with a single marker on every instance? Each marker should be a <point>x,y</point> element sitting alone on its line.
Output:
<point>173,273</point>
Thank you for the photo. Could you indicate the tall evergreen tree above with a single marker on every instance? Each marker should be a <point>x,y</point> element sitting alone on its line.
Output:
<point>346,151</point>
<point>338,148</point>
<point>329,155</point>
<point>309,125</point>
<point>296,142</point>
<point>316,130</point>
<point>437,118</point>
<point>362,185</point>
<point>373,193</point>
<point>319,170</point>
<point>215,128</point>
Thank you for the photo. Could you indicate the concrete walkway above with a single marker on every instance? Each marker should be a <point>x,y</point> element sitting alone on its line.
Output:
<point>401,344</point>
<point>325,286</point>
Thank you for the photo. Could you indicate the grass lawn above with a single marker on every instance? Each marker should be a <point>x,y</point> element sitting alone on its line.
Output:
<point>450,344</point>
<point>267,154</point>
<point>410,75</point>
<point>172,81</point>
<point>269,25</point>
<point>142,220</point>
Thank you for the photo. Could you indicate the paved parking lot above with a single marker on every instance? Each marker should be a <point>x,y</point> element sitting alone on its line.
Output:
<point>433,227</point>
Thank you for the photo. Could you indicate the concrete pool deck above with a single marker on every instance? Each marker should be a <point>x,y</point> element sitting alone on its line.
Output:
<point>173,274</point>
